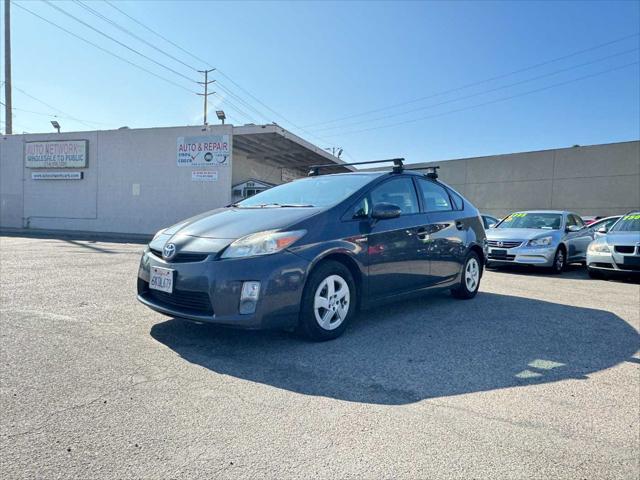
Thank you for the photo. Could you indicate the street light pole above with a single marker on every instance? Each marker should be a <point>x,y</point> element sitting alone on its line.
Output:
<point>7,69</point>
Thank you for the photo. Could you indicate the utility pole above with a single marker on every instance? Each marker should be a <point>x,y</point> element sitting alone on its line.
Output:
<point>206,90</point>
<point>7,69</point>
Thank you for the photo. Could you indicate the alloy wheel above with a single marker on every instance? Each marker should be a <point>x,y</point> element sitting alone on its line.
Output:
<point>331,302</point>
<point>472,274</point>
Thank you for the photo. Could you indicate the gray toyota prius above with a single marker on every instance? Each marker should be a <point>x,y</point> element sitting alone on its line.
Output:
<point>309,253</point>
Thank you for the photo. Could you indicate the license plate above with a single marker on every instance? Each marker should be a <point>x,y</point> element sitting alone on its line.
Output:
<point>161,279</point>
<point>498,253</point>
<point>631,260</point>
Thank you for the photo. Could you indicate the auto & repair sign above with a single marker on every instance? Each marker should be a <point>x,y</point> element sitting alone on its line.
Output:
<point>214,150</point>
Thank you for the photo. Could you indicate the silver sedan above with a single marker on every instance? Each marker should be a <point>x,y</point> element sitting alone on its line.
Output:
<point>618,251</point>
<point>542,238</point>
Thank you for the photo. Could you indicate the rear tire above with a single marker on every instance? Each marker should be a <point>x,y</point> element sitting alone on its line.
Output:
<point>328,302</point>
<point>469,278</point>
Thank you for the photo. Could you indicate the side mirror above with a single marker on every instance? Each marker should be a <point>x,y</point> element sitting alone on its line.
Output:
<point>573,228</point>
<point>385,211</point>
<point>492,225</point>
<point>602,230</point>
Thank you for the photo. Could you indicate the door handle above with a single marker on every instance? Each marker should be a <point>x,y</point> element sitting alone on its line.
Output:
<point>423,233</point>
<point>459,225</point>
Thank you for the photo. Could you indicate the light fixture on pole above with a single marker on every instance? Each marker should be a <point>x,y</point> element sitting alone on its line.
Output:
<point>221,116</point>
<point>56,125</point>
<point>335,151</point>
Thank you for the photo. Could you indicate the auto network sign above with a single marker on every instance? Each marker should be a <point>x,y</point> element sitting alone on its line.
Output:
<point>56,154</point>
<point>212,150</point>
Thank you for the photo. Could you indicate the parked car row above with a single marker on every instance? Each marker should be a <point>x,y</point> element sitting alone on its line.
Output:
<point>307,254</point>
<point>553,239</point>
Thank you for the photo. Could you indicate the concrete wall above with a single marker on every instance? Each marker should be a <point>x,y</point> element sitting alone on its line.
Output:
<point>590,180</point>
<point>132,183</point>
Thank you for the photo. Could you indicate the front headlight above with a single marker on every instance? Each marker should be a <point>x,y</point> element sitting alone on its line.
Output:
<point>158,233</point>
<point>262,243</point>
<point>540,242</point>
<point>600,247</point>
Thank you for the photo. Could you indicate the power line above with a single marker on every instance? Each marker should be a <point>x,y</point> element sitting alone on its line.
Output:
<point>503,99</point>
<point>200,59</point>
<point>88,123</point>
<point>484,92</point>
<point>49,115</point>
<point>231,104</point>
<point>155,33</point>
<point>122,44</point>
<point>242,101</point>
<point>130,33</point>
<point>479,82</point>
<point>139,67</point>
<point>225,100</point>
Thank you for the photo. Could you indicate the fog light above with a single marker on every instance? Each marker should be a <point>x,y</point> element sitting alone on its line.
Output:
<point>249,297</point>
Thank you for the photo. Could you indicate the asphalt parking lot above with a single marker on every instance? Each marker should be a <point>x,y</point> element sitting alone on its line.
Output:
<point>537,377</point>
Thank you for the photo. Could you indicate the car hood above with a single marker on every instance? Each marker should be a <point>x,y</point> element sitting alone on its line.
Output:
<point>212,231</point>
<point>623,238</point>
<point>518,233</point>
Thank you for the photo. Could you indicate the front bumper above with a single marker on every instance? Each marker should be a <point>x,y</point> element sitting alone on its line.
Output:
<point>209,290</point>
<point>614,262</point>
<point>540,257</point>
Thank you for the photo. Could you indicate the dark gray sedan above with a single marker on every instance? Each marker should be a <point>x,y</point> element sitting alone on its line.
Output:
<point>308,253</point>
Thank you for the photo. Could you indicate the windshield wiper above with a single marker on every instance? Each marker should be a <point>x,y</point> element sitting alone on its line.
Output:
<point>279,205</point>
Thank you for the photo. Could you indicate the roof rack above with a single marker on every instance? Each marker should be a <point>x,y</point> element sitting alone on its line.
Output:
<point>432,172</point>
<point>398,165</point>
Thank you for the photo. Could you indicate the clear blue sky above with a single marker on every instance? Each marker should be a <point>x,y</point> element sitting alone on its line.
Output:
<point>317,62</point>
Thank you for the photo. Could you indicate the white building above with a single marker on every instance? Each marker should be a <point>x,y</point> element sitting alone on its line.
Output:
<point>140,180</point>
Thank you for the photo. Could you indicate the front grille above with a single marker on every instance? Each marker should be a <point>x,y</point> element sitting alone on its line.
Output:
<point>195,302</point>
<point>184,257</point>
<point>493,256</point>
<point>504,243</point>
<point>624,248</point>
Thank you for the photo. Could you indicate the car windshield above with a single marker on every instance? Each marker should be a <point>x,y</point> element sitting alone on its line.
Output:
<point>321,191</point>
<point>543,221</point>
<point>628,223</point>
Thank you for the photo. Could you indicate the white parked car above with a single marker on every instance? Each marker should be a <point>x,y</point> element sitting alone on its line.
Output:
<point>618,251</point>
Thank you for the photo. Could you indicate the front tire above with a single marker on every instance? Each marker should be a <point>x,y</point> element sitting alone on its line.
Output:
<point>559,261</point>
<point>469,278</point>
<point>328,302</point>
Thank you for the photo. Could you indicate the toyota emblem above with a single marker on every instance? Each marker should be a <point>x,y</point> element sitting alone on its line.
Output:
<point>169,251</point>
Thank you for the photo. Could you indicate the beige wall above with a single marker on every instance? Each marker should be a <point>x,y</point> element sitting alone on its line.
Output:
<point>590,180</point>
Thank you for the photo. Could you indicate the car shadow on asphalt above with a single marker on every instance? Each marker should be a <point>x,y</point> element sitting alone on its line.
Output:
<point>428,348</point>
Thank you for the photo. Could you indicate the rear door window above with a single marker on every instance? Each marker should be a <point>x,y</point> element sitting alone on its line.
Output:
<point>458,203</point>
<point>399,192</point>
<point>434,197</point>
